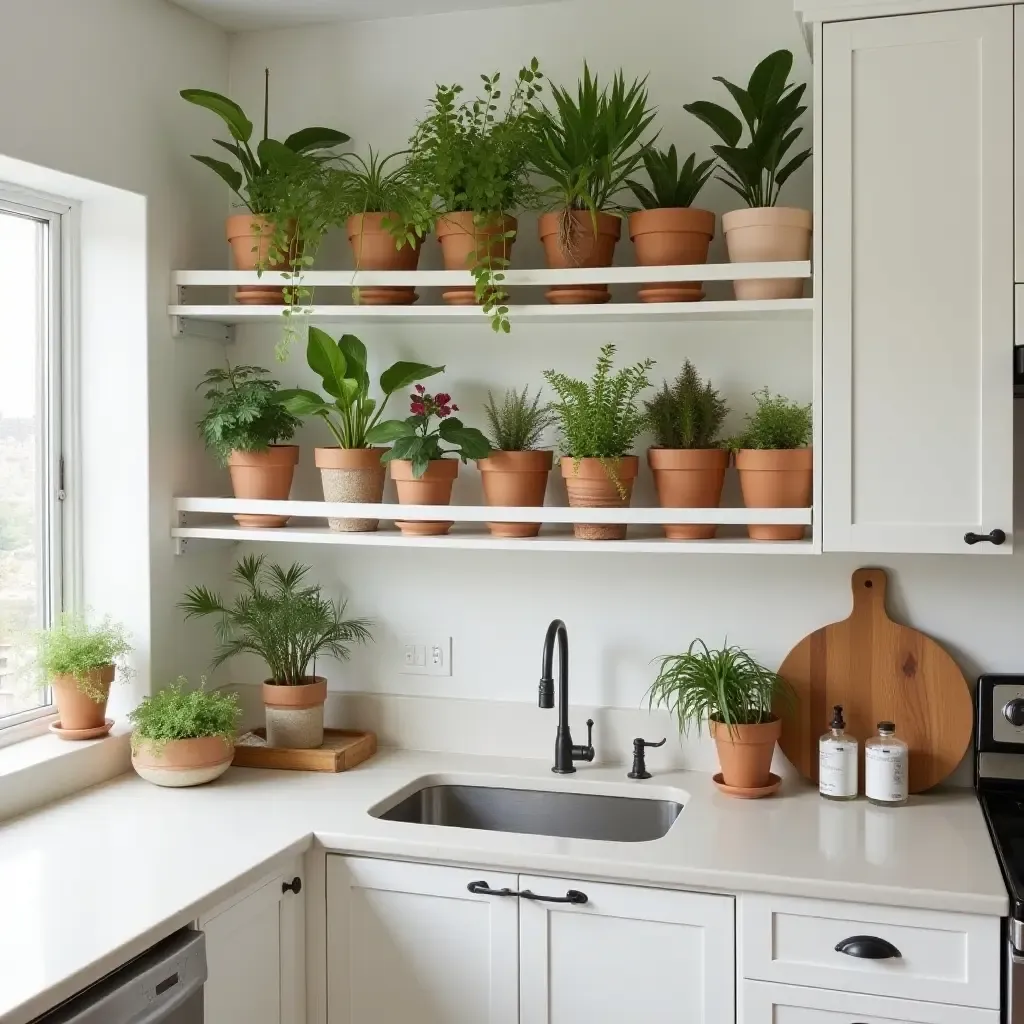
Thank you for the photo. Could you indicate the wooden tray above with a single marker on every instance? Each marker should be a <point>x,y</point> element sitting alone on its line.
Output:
<point>342,749</point>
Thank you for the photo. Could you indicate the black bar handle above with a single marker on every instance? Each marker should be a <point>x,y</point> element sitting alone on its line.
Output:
<point>868,947</point>
<point>572,896</point>
<point>996,537</point>
<point>483,889</point>
<point>295,885</point>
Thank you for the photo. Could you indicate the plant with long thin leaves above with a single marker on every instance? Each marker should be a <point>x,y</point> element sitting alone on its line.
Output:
<point>519,422</point>
<point>672,186</point>
<point>688,413</point>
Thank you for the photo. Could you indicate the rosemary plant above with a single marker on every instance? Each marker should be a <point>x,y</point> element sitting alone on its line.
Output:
<point>688,413</point>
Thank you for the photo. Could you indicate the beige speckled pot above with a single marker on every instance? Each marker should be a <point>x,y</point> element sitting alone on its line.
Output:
<point>589,485</point>
<point>295,714</point>
<point>180,763</point>
<point>352,474</point>
<point>77,710</point>
<point>766,235</point>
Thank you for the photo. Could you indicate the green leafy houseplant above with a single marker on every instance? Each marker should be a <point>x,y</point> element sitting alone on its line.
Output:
<point>777,424</point>
<point>688,413</point>
<point>365,185</point>
<point>178,713</point>
<point>672,186</point>
<point>71,647</point>
<point>519,422</point>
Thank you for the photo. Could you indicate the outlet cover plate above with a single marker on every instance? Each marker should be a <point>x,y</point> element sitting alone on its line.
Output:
<point>425,655</point>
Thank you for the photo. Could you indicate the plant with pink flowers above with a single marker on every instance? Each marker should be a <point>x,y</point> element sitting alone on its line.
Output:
<point>419,441</point>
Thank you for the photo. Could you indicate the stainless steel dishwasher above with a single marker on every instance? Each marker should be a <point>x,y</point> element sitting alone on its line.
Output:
<point>162,986</point>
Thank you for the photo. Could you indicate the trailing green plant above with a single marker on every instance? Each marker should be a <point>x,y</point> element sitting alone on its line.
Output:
<point>178,713</point>
<point>279,618</point>
<point>519,422</point>
<point>672,186</point>
<point>73,647</point>
<point>245,413</point>
<point>726,686</point>
<point>350,413</point>
<point>770,108</point>
<point>777,423</point>
<point>688,413</point>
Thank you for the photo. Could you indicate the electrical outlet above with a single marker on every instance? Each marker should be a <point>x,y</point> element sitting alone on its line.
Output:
<point>426,656</point>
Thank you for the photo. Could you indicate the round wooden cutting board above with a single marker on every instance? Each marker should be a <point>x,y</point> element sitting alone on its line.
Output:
<point>878,670</point>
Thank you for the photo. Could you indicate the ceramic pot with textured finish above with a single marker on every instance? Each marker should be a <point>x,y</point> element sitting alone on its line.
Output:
<point>78,710</point>
<point>766,235</point>
<point>181,763</point>
<point>433,488</point>
<point>570,240</point>
<point>250,237</point>
<point>689,478</point>
<point>264,476</point>
<point>517,479</point>
<point>295,714</point>
<point>591,483</point>
<point>461,239</point>
<point>375,248</point>
<point>353,475</point>
<point>745,752</point>
<point>672,237</point>
<point>776,479</point>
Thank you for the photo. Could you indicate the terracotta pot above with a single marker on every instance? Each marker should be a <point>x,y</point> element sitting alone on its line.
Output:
<point>589,485</point>
<point>585,249</point>
<point>689,478</point>
<point>766,235</point>
<point>776,479</point>
<point>461,239</point>
<point>433,488</point>
<point>352,474</point>
<point>295,714</point>
<point>375,248</point>
<point>266,476</point>
<point>745,752</point>
<point>519,479</point>
<point>670,238</point>
<point>77,710</point>
<point>180,763</point>
<point>249,236</point>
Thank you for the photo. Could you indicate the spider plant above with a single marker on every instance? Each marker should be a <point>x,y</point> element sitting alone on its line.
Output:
<point>672,186</point>
<point>367,185</point>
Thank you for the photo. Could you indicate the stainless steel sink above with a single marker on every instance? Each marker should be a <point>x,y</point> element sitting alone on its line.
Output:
<point>537,812</point>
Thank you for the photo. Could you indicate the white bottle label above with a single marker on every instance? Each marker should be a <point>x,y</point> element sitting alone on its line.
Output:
<point>885,774</point>
<point>837,768</point>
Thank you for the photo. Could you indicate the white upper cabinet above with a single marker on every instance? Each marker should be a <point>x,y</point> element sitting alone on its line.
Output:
<point>916,280</point>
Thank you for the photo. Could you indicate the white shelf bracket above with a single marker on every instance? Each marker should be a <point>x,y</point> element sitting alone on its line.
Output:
<point>194,327</point>
<point>180,542</point>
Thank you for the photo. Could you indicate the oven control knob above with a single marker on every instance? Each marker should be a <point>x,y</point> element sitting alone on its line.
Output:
<point>1013,711</point>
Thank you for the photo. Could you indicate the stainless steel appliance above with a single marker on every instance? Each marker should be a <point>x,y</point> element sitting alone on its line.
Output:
<point>162,986</point>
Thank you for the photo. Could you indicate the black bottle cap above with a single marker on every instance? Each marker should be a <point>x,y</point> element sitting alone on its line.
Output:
<point>837,717</point>
<point>886,726</point>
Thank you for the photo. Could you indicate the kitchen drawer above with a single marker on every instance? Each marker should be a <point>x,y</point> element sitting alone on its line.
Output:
<point>787,1004</point>
<point>944,958</point>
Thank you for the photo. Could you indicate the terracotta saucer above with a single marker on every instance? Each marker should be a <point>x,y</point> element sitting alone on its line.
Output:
<point>748,792</point>
<point>82,734</point>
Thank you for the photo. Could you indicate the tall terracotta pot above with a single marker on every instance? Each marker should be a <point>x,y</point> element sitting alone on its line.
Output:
<point>375,248</point>
<point>462,240</point>
<point>78,710</point>
<point>745,752</point>
<point>250,236</point>
<point>355,475</point>
<point>586,248</point>
<point>265,476</point>
<point>295,714</point>
<point>433,488</point>
<point>776,479</point>
<point>518,479</point>
<point>672,237</point>
<point>590,485</point>
<point>180,763</point>
<point>689,478</point>
<point>766,235</point>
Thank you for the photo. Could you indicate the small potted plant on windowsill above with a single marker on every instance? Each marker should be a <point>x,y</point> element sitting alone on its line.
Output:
<point>288,623</point>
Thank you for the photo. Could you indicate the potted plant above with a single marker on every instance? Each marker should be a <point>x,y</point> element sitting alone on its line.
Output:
<point>757,171</point>
<point>352,471</point>
<point>516,471</point>
<point>243,426</point>
<point>734,694</point>
<point>78,661</point>
<point>668,231</point>
<point>599,421</point>
<point>288,623</point>
<point>775,461</point>
<point>588,147</point>
<point>687,460</point>
<point>184,737</point>
<point>422,472</point>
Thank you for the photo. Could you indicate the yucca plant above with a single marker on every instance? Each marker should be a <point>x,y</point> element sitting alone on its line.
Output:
<point>672,186</point>
<point>776,424</point>
<point>519,422</point>
<point>688,413</point>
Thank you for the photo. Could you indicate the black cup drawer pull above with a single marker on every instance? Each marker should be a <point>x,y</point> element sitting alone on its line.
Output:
<point>572,896</point>
<point>868,947</point>
<point>996,537</point>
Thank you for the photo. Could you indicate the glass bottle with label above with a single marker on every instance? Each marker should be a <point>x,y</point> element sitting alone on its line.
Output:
<point>886,764</point>
<point>837,760</point>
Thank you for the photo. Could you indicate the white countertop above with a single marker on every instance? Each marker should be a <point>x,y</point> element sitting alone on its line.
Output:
<point>91,881</point>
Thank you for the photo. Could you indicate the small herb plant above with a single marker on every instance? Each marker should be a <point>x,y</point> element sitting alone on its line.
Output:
<point>278,617</point>
<point>73,647</point>
<point>418,441</point>
<point>688,413</point>
<point>672,186</point>
<point>178,713</point>
<point>519,422</point>
<point>770,108</point>
<point>245,413</point>
<point>777,423</point>
<point>350,413</point>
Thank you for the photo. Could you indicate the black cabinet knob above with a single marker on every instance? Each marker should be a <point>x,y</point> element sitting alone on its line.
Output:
<point>868,947</point>
<point>295,885</point>
<point>996,537</point>
<point>1013,712</point>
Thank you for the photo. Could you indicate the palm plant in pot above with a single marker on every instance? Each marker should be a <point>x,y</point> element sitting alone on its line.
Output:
<point>287,623</point>
<point>757,171</point>
<point>516,471</point>
<point>244,426</point>
<point>729,690</point>
<point>352,471</point>
<point>688,461</point>
<point>600,420</point>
